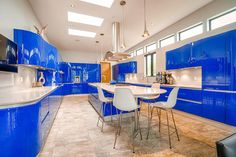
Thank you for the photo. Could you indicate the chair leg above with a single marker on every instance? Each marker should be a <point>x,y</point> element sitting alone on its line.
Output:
<point>98,120</point>
<point>176,130</point>
<point>148,121</point>
<point>159,116</point>
<point>168,125</point>
<point>111,111</point>
<point>120,123</point>
<point>140,132</point>
<point>133,131</point>
<point>117,131</point>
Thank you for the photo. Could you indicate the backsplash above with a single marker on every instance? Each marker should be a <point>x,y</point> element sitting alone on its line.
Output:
<point>188,77</point>
<point>23,79</point>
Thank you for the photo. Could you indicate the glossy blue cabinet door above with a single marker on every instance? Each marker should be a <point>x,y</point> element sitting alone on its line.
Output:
<point>184,53</point>
<point>214,105</point>
<point>94,72</point>
<point>169,60</point>
<point>66,68</point>
<point>29,47</point>
<point>215,65</point>
<point>51,57</point>
<point>197,53</point>
<point>230,109</point>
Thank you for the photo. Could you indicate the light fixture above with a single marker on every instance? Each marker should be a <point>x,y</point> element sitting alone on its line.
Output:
<point>84,19</point>
<point>145,33</point>
<point>77,32</point>
<point>123,3</point>
<point>103,3</point>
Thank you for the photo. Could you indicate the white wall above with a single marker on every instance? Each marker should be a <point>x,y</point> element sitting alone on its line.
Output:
<point>80,57</point>
<point>17,14</point>
<point>201,15</point>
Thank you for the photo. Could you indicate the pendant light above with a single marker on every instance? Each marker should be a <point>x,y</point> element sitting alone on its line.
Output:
<point>145,33</point>
<point>123,3</point>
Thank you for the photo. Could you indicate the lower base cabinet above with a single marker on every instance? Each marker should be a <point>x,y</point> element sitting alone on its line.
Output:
<point>78,88</point>
<point>24,129</point>
<point>230,109</point>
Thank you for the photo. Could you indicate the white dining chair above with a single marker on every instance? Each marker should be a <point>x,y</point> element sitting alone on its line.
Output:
<point>149,100</point>
<point>106,101</point>
<point>167,106</point>
<point>124,101</point>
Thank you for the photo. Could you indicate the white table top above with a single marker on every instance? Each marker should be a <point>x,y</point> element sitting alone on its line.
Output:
<point>136,90</point>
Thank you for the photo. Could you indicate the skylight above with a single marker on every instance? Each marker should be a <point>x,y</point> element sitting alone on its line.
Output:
<point>103,3</point>
<point>77,32</point>
<point>84,19</point>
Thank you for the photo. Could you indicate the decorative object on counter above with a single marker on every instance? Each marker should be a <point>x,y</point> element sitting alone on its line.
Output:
<point>163,78</point>
<point>41,32</point>
<point>158,77</point>
<point>169,79</point>
<point>41,78</point>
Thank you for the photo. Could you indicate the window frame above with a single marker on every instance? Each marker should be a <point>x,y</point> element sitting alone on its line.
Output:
<point>166,37</point>
<point>189,28</point>
<point>209,27</point>
<point>145,64</point>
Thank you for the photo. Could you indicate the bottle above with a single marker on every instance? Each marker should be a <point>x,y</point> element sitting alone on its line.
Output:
<point>41,78</point>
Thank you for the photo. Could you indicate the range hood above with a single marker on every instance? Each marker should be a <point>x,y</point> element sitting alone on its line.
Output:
<point>115,54</point>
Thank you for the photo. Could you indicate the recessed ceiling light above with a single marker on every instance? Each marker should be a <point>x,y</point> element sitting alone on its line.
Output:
<point>77,32</point>
<point>72,5</point>
<point>103,3</point>
<point>85,19</point>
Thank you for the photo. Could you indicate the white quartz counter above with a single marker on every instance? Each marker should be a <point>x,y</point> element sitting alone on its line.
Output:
<point>168,85</point>
<point>14,97</point>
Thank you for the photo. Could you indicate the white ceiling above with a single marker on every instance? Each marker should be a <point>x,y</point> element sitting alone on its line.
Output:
<point>160,14</point>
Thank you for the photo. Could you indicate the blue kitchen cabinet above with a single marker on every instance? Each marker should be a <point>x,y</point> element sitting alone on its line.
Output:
<point>120,70</point>
<point>231,80</point>
<point>51,55</point>
<point>197,53</point>
<point>213,104</point>
<point>190,101</point>
<point>29,47</point>
<point>94,72</point>
<point>179,58</point>
<point>65,67</point>
<point>24,129</point>
<point>214,68</point>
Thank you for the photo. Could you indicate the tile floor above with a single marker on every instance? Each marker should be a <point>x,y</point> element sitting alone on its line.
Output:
<point>75,134</point>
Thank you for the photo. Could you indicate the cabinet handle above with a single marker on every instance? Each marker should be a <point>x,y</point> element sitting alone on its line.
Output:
<point>220,91</point>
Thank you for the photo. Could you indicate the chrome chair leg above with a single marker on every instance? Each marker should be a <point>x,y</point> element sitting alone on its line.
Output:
<point>168,125</point>
<point>133,128</point>
<point>139,128</point>
<point>150,121</point>
<point>111,111</point>
<point>159,117</point>
<point>117,131</point>
<point>98,120</point>
<point>176,130</point>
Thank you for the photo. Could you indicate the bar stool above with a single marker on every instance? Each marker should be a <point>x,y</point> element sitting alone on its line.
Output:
<point>106,101</point>
<point>149,100</point>
<point>124,101</point>
<point>167,106</point>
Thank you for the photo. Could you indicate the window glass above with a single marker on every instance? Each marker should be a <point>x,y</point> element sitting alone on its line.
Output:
<point>167,41</point>
<point>222,20</point>
<point>190,32</point>
<point>139,52</point>
<point>150,64</point>
<point>151,48</point>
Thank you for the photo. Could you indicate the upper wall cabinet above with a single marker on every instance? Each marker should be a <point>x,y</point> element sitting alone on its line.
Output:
<point>120,70</point>
<point>33,50</point>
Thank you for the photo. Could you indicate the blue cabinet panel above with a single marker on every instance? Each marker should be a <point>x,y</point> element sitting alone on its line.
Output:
<point>215,64</point>
<point>66,69</point>
<point>214,105</point>
<point>230,109</point>
<point>120,70</point>
<point>29,47</point>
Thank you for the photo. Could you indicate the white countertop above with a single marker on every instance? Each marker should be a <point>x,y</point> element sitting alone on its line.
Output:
<point>15,97</point>
<point>168,85</point>
<point>136,90</point>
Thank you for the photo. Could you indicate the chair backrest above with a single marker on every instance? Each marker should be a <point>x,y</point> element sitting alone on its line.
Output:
<point>124,99</point>
<point>156,85</point>
<point>227,146</point>
<point>101,94</point>
<point>172,98</point>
